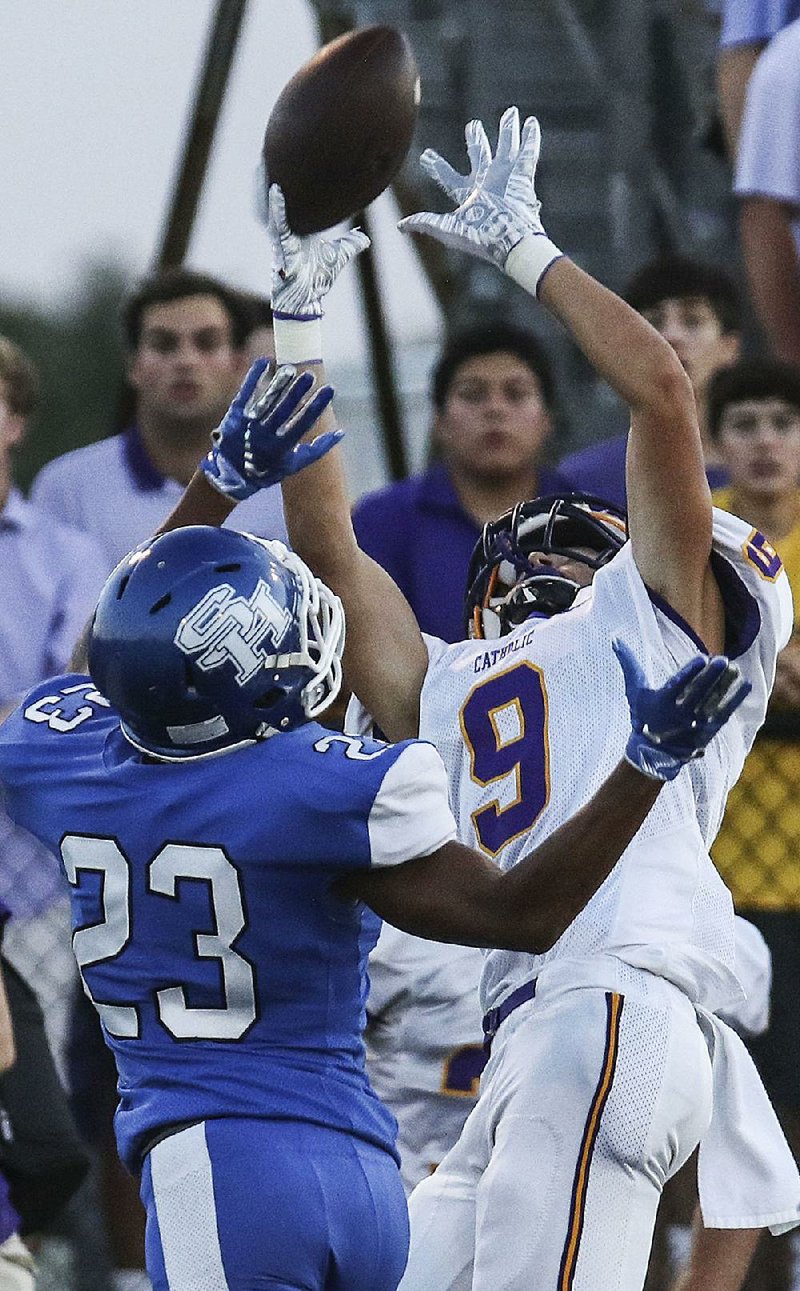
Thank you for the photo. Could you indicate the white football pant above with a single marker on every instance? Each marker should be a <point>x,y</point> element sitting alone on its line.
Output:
<point>590,1101</point>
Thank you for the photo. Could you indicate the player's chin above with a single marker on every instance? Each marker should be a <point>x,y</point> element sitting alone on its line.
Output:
<point>195,410</point>
<point>498,463</point>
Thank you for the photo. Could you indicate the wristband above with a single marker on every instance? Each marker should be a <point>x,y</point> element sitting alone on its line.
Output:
<point>529,260</point>
<point>297,340</point>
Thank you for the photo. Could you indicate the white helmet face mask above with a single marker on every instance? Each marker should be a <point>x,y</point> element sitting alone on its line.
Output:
<point>322,632</point>
<point>505,584</point>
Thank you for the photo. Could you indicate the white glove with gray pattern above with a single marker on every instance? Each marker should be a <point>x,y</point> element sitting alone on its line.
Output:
<point>305,268</point>
<point>497,207</point>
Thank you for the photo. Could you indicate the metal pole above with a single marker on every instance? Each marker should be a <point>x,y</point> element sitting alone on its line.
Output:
<point>333,23</point>
<point>220,49</point>
<point>380,348</point>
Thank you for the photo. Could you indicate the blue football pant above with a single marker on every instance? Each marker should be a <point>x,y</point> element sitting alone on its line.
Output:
<point>257,1205</point>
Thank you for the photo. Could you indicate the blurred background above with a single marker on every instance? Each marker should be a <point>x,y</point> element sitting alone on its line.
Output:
<point>97,99</point>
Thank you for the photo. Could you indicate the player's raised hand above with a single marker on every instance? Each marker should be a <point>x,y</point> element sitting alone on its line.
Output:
<point>257,442</point>
<point>305,268</point>
<point>497,207</point>
<point>674,723</point>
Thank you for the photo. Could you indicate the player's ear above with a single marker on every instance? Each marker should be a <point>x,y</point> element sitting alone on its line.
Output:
<point>732,347</point>
<point>13,429</point>
<point>133,369</point>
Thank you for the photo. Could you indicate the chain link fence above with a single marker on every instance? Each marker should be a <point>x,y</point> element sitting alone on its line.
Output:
<point>757,851</point>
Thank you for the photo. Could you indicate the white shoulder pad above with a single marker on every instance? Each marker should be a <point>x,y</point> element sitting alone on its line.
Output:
<point>435,647</point>
<point>761,570</point>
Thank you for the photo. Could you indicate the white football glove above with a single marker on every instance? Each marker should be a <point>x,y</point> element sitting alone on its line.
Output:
<point>305,268</point>
<point>497,207</point>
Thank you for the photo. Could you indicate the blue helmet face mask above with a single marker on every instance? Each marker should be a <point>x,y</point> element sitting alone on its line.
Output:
<point>204,639</point>
<point>505,586</point>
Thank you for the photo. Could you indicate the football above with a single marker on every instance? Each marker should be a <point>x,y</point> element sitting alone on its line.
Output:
<point>342,127</point>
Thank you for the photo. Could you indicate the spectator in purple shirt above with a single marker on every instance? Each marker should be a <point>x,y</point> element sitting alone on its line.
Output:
<point>186,336</point>
<point>493,393</point>
<point>695,307</point>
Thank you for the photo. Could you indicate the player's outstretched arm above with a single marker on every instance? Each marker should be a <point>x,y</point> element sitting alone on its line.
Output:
<point>459,895</point>
<point>385,658</point>
<point>497,218</point>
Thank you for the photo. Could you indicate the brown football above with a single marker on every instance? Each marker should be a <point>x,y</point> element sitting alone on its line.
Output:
<point>342,127</point>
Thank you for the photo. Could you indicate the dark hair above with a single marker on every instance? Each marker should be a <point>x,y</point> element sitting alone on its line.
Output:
<point>176,284</point>
<point>676,277</point>
<point>259,311</point>
<point>19,377</point>
<point>491,338</point>
<point>751,379</point>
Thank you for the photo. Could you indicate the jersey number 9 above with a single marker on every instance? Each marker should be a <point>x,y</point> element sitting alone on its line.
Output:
<point>504,724</point>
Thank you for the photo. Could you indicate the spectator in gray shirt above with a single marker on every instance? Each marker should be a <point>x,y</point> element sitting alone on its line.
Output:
<point>186,335</point>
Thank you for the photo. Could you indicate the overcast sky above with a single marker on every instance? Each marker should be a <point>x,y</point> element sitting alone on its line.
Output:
<point>94,98</point>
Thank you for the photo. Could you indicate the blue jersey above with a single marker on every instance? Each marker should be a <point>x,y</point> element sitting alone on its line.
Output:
<point>229,977</point>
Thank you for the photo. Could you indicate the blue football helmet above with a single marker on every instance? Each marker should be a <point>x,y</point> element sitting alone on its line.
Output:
<point>205,638</point>
<point>505,586</point>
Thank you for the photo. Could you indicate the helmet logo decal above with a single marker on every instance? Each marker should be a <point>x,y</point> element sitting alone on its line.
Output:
<point>245,631</point>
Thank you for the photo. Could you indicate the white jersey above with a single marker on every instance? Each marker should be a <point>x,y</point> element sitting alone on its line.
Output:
<point>424,1042</point>
<point>425,1050</point>
<point>754,971</point>
<point>531,725</point>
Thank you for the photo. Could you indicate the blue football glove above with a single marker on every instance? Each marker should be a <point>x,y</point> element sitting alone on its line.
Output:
<point>256,443</point>
<point>673,723</point>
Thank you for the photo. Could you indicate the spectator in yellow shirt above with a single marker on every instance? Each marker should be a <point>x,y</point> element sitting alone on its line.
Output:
<point>754,417</point>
